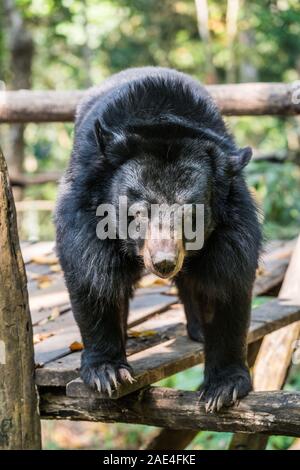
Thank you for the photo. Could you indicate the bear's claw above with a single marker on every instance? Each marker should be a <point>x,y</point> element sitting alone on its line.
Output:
<point>106,378</point>
<point>225,391</point>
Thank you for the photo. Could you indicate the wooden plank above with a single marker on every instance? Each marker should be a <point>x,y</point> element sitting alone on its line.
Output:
<point>58,345</point>
<point>63,320</point>
<point>164,290</point>
<point>154,331</point>
<point>273,315</point>
<point>143,307</point>
<point>53,348</point>
<point>172,357</point>
<point>267,412</point>
<point>55,301</point>
<point>49,298</point>
<point>273,266</point>
<point>45,315</point>
<point>290,290</point>
<point>59,372</point>
<point>34,272</point>
<point>150,366</point>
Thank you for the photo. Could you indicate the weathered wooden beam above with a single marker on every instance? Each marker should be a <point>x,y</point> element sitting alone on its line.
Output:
<point>238,99</point>
<point>265,412</point>
<point>170,439</point>
<point>38,106</point>
<point>19,419</point>
<point>272,266</point>
<point>167,352</point>
<point>257,98</point>
<point>277,348</point>
<point>174,355</point>
<point>40,178</point>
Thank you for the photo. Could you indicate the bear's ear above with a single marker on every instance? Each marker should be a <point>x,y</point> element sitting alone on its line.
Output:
<point>101,136</point>
<point>240,159</point>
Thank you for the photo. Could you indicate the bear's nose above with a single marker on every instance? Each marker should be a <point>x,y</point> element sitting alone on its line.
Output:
<point>165,267</point>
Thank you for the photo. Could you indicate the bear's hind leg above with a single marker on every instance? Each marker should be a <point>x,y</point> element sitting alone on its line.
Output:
<point>226,374</point>
<point>222,325</point>
<point>192,309</point>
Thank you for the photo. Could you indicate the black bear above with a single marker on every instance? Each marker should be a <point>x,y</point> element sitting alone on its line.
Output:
<point>155,136</point>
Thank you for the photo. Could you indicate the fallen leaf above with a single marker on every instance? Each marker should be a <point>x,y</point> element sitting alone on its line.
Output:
<point>76,346</point>
<point>261,271</point>
<point>55,312</point>
<point>38,337</point>
<point>172,291</point>
<point>141,334</point>
<point>44,281</point>
<point>45,260</point>
<point>56,268</point>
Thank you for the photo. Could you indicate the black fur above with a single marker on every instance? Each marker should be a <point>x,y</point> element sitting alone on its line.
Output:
<point>155,135</point>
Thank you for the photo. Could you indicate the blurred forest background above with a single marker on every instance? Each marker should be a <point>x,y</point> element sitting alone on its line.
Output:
<point>73,44</point>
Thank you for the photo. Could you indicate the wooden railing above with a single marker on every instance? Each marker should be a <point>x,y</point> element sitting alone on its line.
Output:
<point>233,100</point>
<point>24,106</point>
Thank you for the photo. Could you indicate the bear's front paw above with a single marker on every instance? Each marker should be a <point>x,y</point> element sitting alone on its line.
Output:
<point>106,377</point>
<point>225,388</point>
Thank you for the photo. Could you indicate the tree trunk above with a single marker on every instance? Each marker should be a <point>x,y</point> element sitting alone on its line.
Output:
<point>231,31</point>
<point>86,50</point>
<point>203,28</point>
<point>19,418</point>
<point>21,53</point>
<point>247,70</point>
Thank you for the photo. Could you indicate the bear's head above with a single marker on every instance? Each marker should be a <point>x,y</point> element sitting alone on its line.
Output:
<point>173,181</point>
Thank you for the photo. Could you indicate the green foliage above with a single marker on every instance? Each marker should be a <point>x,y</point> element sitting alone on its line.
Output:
<point>79,43</point>
<point>277,189</point>
<point>277,27</point>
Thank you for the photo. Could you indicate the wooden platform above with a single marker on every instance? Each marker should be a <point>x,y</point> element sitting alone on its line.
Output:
<point>158,346</point>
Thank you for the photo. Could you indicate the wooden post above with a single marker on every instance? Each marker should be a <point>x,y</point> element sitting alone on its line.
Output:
<point>19,418</point>
<point>274,357</point>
